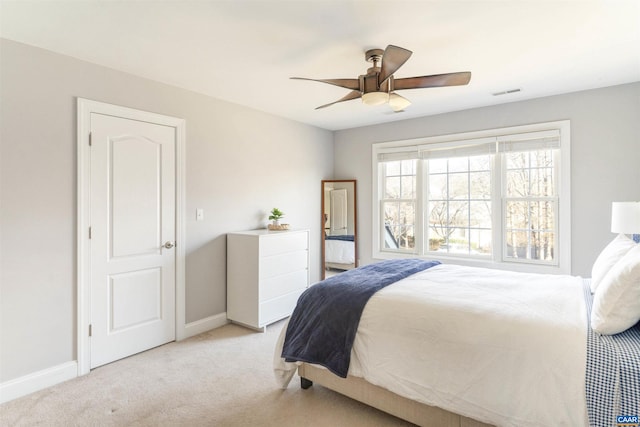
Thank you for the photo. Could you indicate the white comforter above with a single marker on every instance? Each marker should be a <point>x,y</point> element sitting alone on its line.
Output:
<point>339,251</point>
<point>500,347</point>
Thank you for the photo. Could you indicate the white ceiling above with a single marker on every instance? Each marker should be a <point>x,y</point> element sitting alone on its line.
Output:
<point>245,51</point>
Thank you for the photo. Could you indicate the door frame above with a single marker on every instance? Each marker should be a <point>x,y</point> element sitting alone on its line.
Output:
<point>85,108</point>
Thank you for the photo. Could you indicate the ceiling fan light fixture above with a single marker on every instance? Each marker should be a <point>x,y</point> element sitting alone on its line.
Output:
<point>397,102</point>
<point>375,98</point>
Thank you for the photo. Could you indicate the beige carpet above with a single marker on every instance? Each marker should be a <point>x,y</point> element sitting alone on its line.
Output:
<point>219,378</point>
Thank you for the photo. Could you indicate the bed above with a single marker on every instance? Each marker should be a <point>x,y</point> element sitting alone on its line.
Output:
<point>339,252</point>
<point>459,346</point>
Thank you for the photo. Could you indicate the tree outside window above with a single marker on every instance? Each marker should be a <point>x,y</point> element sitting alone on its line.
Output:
<point>530,205</point>
<point>460,205</point>
<point>490,196</point>
<point>399,204</point>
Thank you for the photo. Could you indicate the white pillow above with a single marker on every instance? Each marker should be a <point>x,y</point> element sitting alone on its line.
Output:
<point>611,254</point>
<point>616,304</point>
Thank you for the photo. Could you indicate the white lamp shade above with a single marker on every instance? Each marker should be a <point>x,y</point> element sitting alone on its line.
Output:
<point>625,217</point>
<point>397,102</point>
<point>375,98</point>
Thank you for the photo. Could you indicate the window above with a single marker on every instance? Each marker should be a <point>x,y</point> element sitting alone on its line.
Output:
<point>459,205</point>
<point>399,204</point>
<point>530,206</point>
<point>483,197</point>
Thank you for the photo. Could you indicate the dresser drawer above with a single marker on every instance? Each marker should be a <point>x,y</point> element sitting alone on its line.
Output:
<point>283,242</point>
<point>278,308</point>
<point>284,284</point>
<point>277,265</point>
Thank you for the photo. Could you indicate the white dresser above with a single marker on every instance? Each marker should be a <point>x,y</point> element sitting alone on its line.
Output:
<point>266,273</point>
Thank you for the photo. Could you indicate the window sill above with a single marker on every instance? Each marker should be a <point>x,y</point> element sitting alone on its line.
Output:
<point>522,267</point>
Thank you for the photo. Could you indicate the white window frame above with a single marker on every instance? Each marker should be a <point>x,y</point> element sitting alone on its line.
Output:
<point>417,226</point>
<point>562,263</point>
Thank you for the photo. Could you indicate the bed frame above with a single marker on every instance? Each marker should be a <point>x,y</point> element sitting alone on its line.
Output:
<point>384,400</point>
<point>338,266</point>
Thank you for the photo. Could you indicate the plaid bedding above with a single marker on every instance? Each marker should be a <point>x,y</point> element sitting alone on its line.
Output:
<point>612,373</point>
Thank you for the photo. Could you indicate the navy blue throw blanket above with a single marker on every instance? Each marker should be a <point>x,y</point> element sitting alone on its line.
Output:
<point>346,237</point>
<point>324,323</point>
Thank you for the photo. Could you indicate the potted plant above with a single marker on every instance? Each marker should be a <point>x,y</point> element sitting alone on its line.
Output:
<point>275,216</point>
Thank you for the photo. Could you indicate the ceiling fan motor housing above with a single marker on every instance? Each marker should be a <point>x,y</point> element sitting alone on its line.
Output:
<point>369,82</point>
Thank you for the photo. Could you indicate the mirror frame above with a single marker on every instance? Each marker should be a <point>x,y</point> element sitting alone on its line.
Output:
<point>322,223</point>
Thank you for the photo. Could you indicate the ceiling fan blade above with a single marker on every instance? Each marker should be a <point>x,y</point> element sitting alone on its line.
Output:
<point>351,95</point>
<point>436,80</point>
<point>392,59</point>
<point>346,83</point>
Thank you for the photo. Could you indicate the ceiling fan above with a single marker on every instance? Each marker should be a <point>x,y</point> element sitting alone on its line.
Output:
<point>378,86</point>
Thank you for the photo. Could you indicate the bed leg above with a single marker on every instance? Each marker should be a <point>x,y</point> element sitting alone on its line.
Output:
<point>305,383</point>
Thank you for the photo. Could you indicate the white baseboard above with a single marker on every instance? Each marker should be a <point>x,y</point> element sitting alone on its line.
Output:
<point>204,325</point>
<point>36,381</point>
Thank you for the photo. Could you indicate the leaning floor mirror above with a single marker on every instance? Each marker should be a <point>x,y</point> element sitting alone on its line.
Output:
<point>339,228</point>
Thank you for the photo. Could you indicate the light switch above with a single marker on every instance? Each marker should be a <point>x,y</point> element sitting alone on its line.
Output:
<point>199,214</point>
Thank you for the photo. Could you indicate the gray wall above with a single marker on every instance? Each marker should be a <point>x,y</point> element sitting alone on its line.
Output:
<point>605,156</point>
<point>240,164</point>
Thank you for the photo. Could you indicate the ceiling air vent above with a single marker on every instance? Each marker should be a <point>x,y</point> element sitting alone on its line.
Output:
<point>504,92</point>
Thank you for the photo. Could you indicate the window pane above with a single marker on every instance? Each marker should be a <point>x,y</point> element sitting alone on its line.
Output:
<point>480,241</point>
<point>543,246</point>
<point>392,187</point>
<point>480,163</point>
<point>459,186</point>
<point>480,185</point>
<point>480,214</point>
<point>459,164</point>
<point>542,158</point>
<point>400,237</point>
<point>392,168</point>
<point>517,244</point>
<point>458,201</point>
<point>408,167</point>
<point>542,216</point>
<point>436,239</point>
<point>459,214</point>
<point>408,187</point>
<point>518,183</point>
<point>517,160</point>
<point>407,213</point>
<point>437,187</point>
<point>531,245</point>
<point>530,223</point>
<point>437,165</point>
<point>517,215</point>
<point>458,241</point>
<point>402,213</point>
<point>399,219</point>
<point>438,220</point>
<point>400,180</point>
<point>542,182</point>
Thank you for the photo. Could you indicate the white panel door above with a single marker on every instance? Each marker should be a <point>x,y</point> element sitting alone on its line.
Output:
<point>133,210</point>
<point>339,212</point>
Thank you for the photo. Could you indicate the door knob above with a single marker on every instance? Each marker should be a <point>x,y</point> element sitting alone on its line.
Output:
<point>169,245</point>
